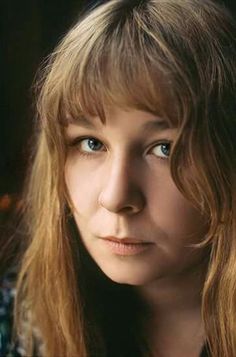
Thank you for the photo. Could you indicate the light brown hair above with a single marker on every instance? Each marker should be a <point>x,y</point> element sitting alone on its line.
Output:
<point>171,57</point>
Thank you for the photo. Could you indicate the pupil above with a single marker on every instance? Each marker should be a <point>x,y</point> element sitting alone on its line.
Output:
<point>94,144</point>
<point>165,148</point>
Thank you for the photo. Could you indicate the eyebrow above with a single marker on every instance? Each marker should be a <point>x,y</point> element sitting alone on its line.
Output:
<point>82,121</point>
<point>158,124</point>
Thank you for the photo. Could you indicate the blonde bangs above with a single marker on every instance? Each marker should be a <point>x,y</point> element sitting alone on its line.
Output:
<point>119,65</point>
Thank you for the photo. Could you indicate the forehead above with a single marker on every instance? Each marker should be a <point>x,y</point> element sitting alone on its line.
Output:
<point>147,120</point>
<point>112,112</point>
<point>117,80</point>
<point>84,105</point>
<point>122,126</point>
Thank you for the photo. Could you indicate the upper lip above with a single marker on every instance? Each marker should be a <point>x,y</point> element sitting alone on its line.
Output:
<point>125,240</point>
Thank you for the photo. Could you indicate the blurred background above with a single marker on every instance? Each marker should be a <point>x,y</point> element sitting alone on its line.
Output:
<point>29,31</point>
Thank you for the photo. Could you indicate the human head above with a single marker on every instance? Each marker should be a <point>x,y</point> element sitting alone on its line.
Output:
<point>172,58</point>
<point>166,61</point>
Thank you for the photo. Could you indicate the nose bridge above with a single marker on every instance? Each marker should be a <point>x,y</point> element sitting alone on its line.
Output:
<point>120,175</point>
<point>120,187</point>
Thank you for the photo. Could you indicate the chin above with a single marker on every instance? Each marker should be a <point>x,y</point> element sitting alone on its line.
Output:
<point>128,277</point>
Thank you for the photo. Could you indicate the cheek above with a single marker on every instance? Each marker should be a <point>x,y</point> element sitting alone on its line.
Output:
<point>81,186</point>
<point>173,213</point>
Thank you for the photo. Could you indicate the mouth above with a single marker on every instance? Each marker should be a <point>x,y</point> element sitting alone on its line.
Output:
<point>125,240</point>
<point>126,246</point>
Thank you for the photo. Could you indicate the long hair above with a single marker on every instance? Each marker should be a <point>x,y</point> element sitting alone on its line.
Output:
<point>174,58</point>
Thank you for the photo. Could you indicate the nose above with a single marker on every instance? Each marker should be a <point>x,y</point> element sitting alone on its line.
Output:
<point>121,192</point>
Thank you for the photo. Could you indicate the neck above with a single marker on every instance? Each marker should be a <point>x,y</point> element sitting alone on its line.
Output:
<point>175,293</point>
<point>174,311</point>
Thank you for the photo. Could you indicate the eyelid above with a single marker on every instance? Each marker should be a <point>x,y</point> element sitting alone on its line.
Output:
<point>159,142</point>
<point>78,139</point>
<point>72,142</point>
<point>164,157</point>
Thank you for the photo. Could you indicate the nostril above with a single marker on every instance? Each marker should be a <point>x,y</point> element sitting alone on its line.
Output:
<point>130,209</point>
<point>127,205</point>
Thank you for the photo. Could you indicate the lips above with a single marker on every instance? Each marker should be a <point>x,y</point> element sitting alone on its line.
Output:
<point>125,240</point>
<point>126,246</point>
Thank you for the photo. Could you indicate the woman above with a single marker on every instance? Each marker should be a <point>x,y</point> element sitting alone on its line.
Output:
<point>130,205</point>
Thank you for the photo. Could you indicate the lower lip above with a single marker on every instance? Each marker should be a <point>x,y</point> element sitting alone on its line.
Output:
<point>127,248</point>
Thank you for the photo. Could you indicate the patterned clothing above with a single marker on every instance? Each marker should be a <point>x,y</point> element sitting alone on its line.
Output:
<point>7,293</point>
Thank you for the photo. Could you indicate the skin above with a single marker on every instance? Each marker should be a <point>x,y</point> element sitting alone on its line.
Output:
<point>124,189</point>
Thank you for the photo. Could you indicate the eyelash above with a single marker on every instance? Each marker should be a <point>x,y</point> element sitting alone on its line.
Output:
<point>75,142</point>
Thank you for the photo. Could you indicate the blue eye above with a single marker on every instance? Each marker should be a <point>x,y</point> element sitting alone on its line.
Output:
<point>91,143</point>
<point>162,150</point>
<point>87,146</point>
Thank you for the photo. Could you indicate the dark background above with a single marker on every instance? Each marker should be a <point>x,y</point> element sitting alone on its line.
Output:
<point>29,31</point>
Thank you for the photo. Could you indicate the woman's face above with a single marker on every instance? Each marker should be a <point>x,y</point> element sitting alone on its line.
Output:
<point>118,177</point>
